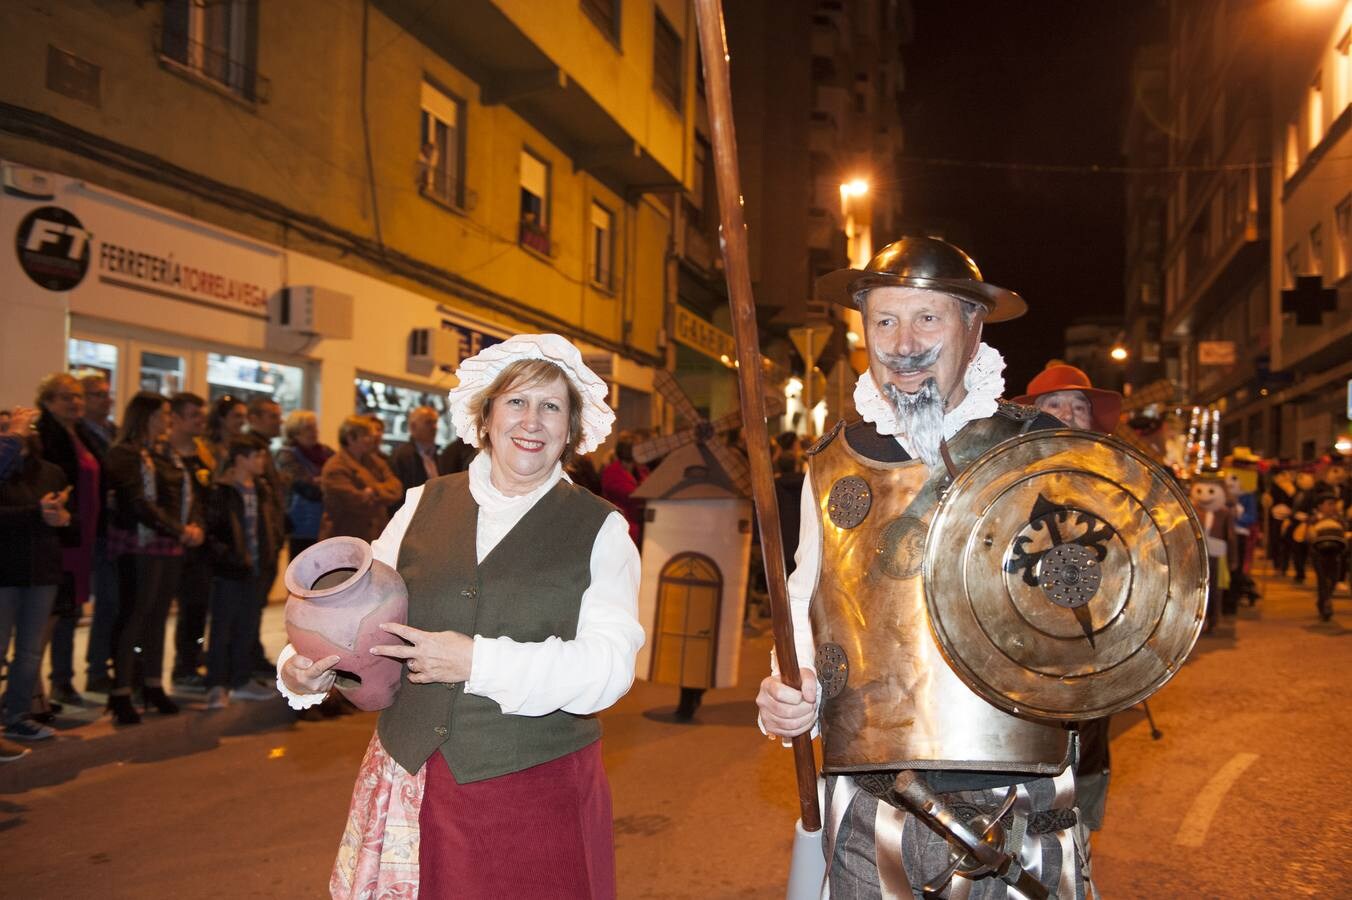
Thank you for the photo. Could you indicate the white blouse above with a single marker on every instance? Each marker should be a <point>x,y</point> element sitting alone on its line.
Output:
<point>584,675</point>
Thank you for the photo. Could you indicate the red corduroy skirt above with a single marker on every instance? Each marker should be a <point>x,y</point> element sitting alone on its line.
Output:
<point>545,831</point>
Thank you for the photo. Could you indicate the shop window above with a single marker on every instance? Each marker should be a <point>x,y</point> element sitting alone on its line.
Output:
<point>246,378</point>
<point>216,40</point>
<point>667,53</point>
<point>84,357</point>
<point>605,15</point>
<point>603,246</point>
<point>392,403</point>
<point>441,151</point>
<point>161,373</point>
<point>534,202</point>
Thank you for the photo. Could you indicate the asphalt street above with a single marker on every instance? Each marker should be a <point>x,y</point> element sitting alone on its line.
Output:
<point>1239,797</point>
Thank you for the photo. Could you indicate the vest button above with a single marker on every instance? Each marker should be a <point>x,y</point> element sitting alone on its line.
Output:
<point>441,730</point>
<point>470,592</point>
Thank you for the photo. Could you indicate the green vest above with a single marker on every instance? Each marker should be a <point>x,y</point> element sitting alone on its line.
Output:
<point>528,588</point>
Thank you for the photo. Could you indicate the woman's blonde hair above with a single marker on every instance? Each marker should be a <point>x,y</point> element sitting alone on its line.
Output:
<point>48,387</point>
<point>518,375</point>
<point>295,421</point>
<point>354,427</point>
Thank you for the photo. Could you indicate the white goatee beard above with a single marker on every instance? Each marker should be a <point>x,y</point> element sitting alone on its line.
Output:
<point>921,416</point>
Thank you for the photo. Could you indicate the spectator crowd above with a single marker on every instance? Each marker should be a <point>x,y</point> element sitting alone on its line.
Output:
<point>174,503</point>
<point>188,504</point>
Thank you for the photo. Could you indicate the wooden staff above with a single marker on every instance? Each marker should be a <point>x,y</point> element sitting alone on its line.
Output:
<point>737,265</point>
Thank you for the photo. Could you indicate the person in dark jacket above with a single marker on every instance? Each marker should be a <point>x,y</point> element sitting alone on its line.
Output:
<point>100,431</point>
<point>300,461</point>
<point>14,426</point>
<point>33,517</point>
<point>457,455</point>
<point>416,461</point>
<point>154,520</point>
<point>68,444</point>
<point>243,533</point>
<point>187,425</point>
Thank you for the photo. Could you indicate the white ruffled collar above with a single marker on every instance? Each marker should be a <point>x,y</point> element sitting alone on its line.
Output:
<point>493,501</point>
<point>983,379</point>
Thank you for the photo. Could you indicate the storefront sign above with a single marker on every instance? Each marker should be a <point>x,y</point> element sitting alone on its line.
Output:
<point>700,335</point>
<point>471,341</point>
<point>1215,353</point>
<point>138,270</point>
<point>53,248</point>
<point>89,240</point>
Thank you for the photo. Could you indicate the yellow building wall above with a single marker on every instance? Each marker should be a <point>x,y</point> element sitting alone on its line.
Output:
<point>304,149</point>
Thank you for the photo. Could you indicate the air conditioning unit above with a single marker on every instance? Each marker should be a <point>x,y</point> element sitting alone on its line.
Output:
<point>314,312</point>
<point>21,181</point>
<point>430,349</point>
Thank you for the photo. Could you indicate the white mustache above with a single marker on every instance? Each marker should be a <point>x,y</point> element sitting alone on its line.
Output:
<point>910,362</point>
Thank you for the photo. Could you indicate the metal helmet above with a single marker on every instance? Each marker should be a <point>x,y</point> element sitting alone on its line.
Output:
<point>926,263</point>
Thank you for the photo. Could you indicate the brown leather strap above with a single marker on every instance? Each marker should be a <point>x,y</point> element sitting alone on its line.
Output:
<point>948,460</point>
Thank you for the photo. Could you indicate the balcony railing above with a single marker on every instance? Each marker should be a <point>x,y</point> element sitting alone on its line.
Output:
<point>214,64</point>
<point>437,184</point>
<point>534,237</point>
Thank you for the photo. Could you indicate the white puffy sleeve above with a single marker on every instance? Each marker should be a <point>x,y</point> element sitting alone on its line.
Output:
<point>802,584</point>
<point>588,673</point>
<point>386,549</point>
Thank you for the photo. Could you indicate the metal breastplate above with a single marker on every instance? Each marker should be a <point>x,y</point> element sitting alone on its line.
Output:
<point>890,701</point>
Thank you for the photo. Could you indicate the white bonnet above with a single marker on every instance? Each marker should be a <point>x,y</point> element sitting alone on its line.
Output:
<point>479,371</point>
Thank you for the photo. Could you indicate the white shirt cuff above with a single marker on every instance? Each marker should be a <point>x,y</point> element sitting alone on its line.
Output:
<point>295,701</point>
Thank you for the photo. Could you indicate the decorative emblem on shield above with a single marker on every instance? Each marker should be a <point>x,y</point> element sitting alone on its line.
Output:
<point>849,501</point>
<point>1065,575</point>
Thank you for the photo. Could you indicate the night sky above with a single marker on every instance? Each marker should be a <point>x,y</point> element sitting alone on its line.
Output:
<point>1035,81</point>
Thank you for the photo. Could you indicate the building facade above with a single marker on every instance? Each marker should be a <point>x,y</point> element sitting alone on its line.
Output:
<point>1146,150</point>
<point>334,202</point>
<point>1218,207</point>
<point>1311,258</point>
<point>815,88</point>
<point>1257,290</point>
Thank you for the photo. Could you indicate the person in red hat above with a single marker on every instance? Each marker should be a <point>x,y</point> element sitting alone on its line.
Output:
<point>1066,392</point>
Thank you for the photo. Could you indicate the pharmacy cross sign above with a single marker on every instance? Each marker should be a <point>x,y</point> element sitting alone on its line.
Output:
<point>1309,300</point>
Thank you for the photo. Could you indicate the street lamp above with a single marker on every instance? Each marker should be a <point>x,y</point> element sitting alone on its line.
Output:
<point>855,188</point>
<point>1119,353</point>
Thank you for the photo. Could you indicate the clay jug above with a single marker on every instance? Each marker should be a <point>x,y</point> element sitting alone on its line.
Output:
<point>339,596</point>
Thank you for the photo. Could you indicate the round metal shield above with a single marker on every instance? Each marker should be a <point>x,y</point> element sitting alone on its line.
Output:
<point>1065,575</point>
<point>849,501</point>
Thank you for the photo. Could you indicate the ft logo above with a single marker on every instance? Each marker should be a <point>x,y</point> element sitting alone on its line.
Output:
<point>53,248</point>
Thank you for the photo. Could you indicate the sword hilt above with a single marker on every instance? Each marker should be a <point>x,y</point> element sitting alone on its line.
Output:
<point>979,850</point>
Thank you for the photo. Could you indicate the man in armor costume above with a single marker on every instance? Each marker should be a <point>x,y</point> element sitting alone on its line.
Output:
<point>883,695</point>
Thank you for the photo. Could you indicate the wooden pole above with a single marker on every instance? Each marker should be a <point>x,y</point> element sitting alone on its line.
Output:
<point>737,265</point>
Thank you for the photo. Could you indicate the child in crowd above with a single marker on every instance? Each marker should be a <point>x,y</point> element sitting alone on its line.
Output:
<point>241,533</point>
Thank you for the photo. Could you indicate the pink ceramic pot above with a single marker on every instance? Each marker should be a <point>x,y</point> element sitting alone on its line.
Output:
<point>339,596</point>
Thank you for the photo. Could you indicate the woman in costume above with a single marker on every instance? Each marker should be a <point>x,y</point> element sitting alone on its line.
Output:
<point>484,778</point>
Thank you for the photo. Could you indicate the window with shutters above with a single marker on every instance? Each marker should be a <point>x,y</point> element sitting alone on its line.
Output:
<point>603,246</point>
<point>534,202</point>
<point>440,168</point>
<point>216,40</point>
<point>605,15</point>
<point>667,55</point>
